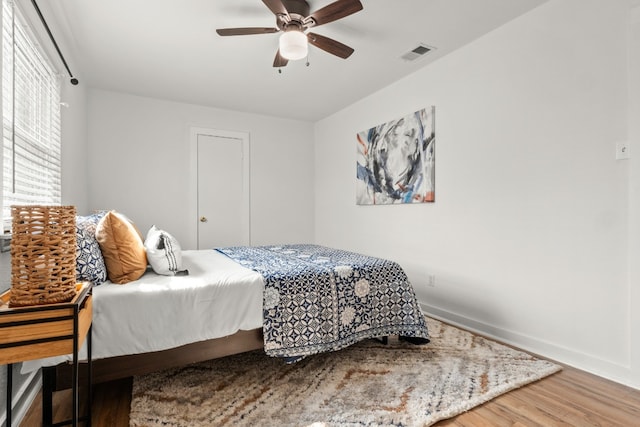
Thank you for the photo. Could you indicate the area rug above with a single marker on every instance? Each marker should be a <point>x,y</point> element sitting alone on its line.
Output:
<point>367,384</point>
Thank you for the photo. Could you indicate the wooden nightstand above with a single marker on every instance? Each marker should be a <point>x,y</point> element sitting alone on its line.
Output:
<point>39,331</point>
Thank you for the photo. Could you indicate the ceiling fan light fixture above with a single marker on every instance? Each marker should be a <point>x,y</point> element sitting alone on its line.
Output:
<point>293,45</point>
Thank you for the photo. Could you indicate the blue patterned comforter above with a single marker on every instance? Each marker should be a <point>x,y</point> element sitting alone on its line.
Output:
<point>318,299</point>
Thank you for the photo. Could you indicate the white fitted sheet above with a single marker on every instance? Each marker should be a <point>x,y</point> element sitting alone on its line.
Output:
<point>218,298</point>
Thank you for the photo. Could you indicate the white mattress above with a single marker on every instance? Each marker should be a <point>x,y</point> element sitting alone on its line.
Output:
<point>219,297</point>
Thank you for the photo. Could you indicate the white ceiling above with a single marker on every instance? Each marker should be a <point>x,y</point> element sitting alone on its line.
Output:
<point>169,49</point>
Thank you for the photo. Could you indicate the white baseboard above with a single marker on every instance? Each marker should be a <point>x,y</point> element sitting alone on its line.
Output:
<point>25,396</point>
<point>603,368</point>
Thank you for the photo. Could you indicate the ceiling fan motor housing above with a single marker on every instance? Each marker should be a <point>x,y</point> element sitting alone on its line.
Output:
<point>298,9</point>
<point>298,12</point>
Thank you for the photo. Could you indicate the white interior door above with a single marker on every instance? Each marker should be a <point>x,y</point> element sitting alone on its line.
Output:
<point>222,190</point>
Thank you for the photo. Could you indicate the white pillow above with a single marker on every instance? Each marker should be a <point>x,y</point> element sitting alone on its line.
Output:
<point>163,252</point>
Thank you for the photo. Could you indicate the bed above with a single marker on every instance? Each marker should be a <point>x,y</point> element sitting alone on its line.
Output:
<point>292,301</point>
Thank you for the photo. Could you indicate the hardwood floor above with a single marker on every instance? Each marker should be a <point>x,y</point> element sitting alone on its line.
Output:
<point>568,398</point>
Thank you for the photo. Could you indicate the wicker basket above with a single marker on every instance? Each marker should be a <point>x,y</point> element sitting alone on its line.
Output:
<point>43,255</point>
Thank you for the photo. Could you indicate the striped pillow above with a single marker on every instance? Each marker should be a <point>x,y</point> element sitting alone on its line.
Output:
<point>163,252</point>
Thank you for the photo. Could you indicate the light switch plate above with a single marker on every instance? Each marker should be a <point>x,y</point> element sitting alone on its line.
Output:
<point>622,150</point>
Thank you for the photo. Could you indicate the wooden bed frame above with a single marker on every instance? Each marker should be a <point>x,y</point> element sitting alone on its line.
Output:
<point>55,378</point>
<point>59,377</point>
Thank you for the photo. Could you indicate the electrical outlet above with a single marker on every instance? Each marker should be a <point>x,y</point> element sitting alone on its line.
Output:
<point>431,280</point>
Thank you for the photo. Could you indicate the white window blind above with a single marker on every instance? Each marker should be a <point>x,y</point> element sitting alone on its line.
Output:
<point>30,118</point>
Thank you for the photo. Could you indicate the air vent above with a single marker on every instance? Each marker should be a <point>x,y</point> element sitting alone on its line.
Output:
<point>417,52</point>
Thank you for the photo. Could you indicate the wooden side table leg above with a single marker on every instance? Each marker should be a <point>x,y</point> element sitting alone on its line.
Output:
<point>89,377</point>
<point>9,392</point>
<point>48,385</point>
<point>74,371</point>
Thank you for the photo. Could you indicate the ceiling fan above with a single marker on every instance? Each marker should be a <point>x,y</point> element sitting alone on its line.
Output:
<point>293,19</point>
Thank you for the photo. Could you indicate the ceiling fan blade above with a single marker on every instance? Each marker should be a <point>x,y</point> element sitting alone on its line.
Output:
<point>276,6</point>
<point>336,10</point>
<point>245,31</point>
<point>329,45</point>
<point>279,60</point>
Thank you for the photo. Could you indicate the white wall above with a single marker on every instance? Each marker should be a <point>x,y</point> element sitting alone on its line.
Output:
<point>634,188</point>
<point>528,234</point>
<point>139,164</point>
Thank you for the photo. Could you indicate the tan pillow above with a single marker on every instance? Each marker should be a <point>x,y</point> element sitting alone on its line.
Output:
<point>122,248</point>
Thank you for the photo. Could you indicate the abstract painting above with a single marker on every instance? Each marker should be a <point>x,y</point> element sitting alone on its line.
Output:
<point>396,161</point>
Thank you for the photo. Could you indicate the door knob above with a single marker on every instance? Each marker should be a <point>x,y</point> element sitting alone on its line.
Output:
<point>203,219</point>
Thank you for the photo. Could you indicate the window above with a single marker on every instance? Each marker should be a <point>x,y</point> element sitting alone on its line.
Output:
<point>30,118</point>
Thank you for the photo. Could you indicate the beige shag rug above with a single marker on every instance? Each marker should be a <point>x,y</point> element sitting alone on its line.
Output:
<point>367,384</point>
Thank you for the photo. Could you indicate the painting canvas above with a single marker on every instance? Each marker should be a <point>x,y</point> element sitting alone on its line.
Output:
<point>396,161</point>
